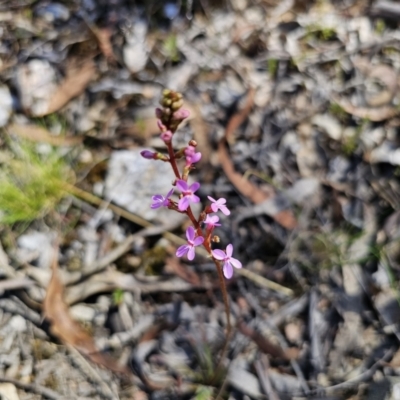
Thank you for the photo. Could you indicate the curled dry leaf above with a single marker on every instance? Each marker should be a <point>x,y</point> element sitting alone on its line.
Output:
<point>78,76</point>
<point>265,345</point>
<point>285,217</point>
<point>374,114</point>
<point>68,330</point>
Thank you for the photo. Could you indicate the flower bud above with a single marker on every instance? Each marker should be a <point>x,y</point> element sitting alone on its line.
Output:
<point>193,143</point>
<point>166,136</point>
<point>149,155</point>
<point>166,102</point>
<point>181,114</point>
<point>176,105</point>
<point>159,113</point>
<point>161,126</point>
<point>215,239</point>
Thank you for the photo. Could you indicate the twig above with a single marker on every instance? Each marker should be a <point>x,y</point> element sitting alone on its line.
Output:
<point>34,388</point>
<point>261,281</point>
<point>354,381</point>
<point>103,389</point>
<point>262,367</point>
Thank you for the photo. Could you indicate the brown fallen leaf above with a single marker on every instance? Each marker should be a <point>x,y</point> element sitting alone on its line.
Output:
<point>78,76</point>
<point>67,329</point>
<point>384,74</point>
<point>103,37</point>
<point>285,218</point>
<point>265,345</point>
<point>38,134</point>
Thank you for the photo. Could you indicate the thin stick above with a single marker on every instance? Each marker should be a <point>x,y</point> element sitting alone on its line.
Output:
<point>34,388</point>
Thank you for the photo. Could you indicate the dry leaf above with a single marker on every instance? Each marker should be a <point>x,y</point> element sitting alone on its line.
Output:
<point>252,192</point>
<point>37,134</point>
<point>78,76</point>
<point>375,114</point>
<point>68,330</point>
<point>265,345</point>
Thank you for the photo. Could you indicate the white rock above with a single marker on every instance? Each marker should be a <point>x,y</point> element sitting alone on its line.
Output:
<point>82,312</point>
<point>132,180</point>
<point>36,82</point>
<point>136,52</point>
<point>329,124</point>
<point>5,105</point>
<point>386,152</point>
<point>39,244</point>
<point>17,323</point>
<point>8,391</point>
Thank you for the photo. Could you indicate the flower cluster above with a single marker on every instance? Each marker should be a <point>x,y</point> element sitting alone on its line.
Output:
<point>169,117</point>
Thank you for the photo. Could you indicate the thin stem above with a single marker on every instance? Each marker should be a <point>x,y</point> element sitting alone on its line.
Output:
<point>228,319</point>
<point>172,160</point>
<point>194,221</point>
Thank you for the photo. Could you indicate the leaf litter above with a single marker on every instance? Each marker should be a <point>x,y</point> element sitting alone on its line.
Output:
<point>296,113</point>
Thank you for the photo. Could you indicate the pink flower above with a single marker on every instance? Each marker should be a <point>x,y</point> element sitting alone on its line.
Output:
<point>150,155</point>
<point>166,136</point>
<point>228,260</point>
<point>192,243</point>
<point>188,194</point>
<point>161,126</point>
<point>161,201</point>
<point>181,114</point>
<point>219,205</point>
<point>211,221</point>
<point>191,155</point>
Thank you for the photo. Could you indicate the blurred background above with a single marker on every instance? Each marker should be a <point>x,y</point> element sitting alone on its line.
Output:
<point>295,109</point>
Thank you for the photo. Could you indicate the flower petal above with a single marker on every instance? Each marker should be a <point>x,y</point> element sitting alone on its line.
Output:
<point>169,194</point>
<point>191,253</point>
<point>182,250</point>
<point>235,262</point>
<point>228,270</point>
<point>214,207</point>
<point>155,205</point>
<point>194,198</point>
<point>195,158</point>
<point>229,250</point>
<point>183,203</point>
<point>190,233</point>
<point>218,254</point>
<point>211,199</point>
<point>182,185</point>
<point>194,187</point>
<point>221,201</point>
<point>198,241</point>
<point>224,210</point>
